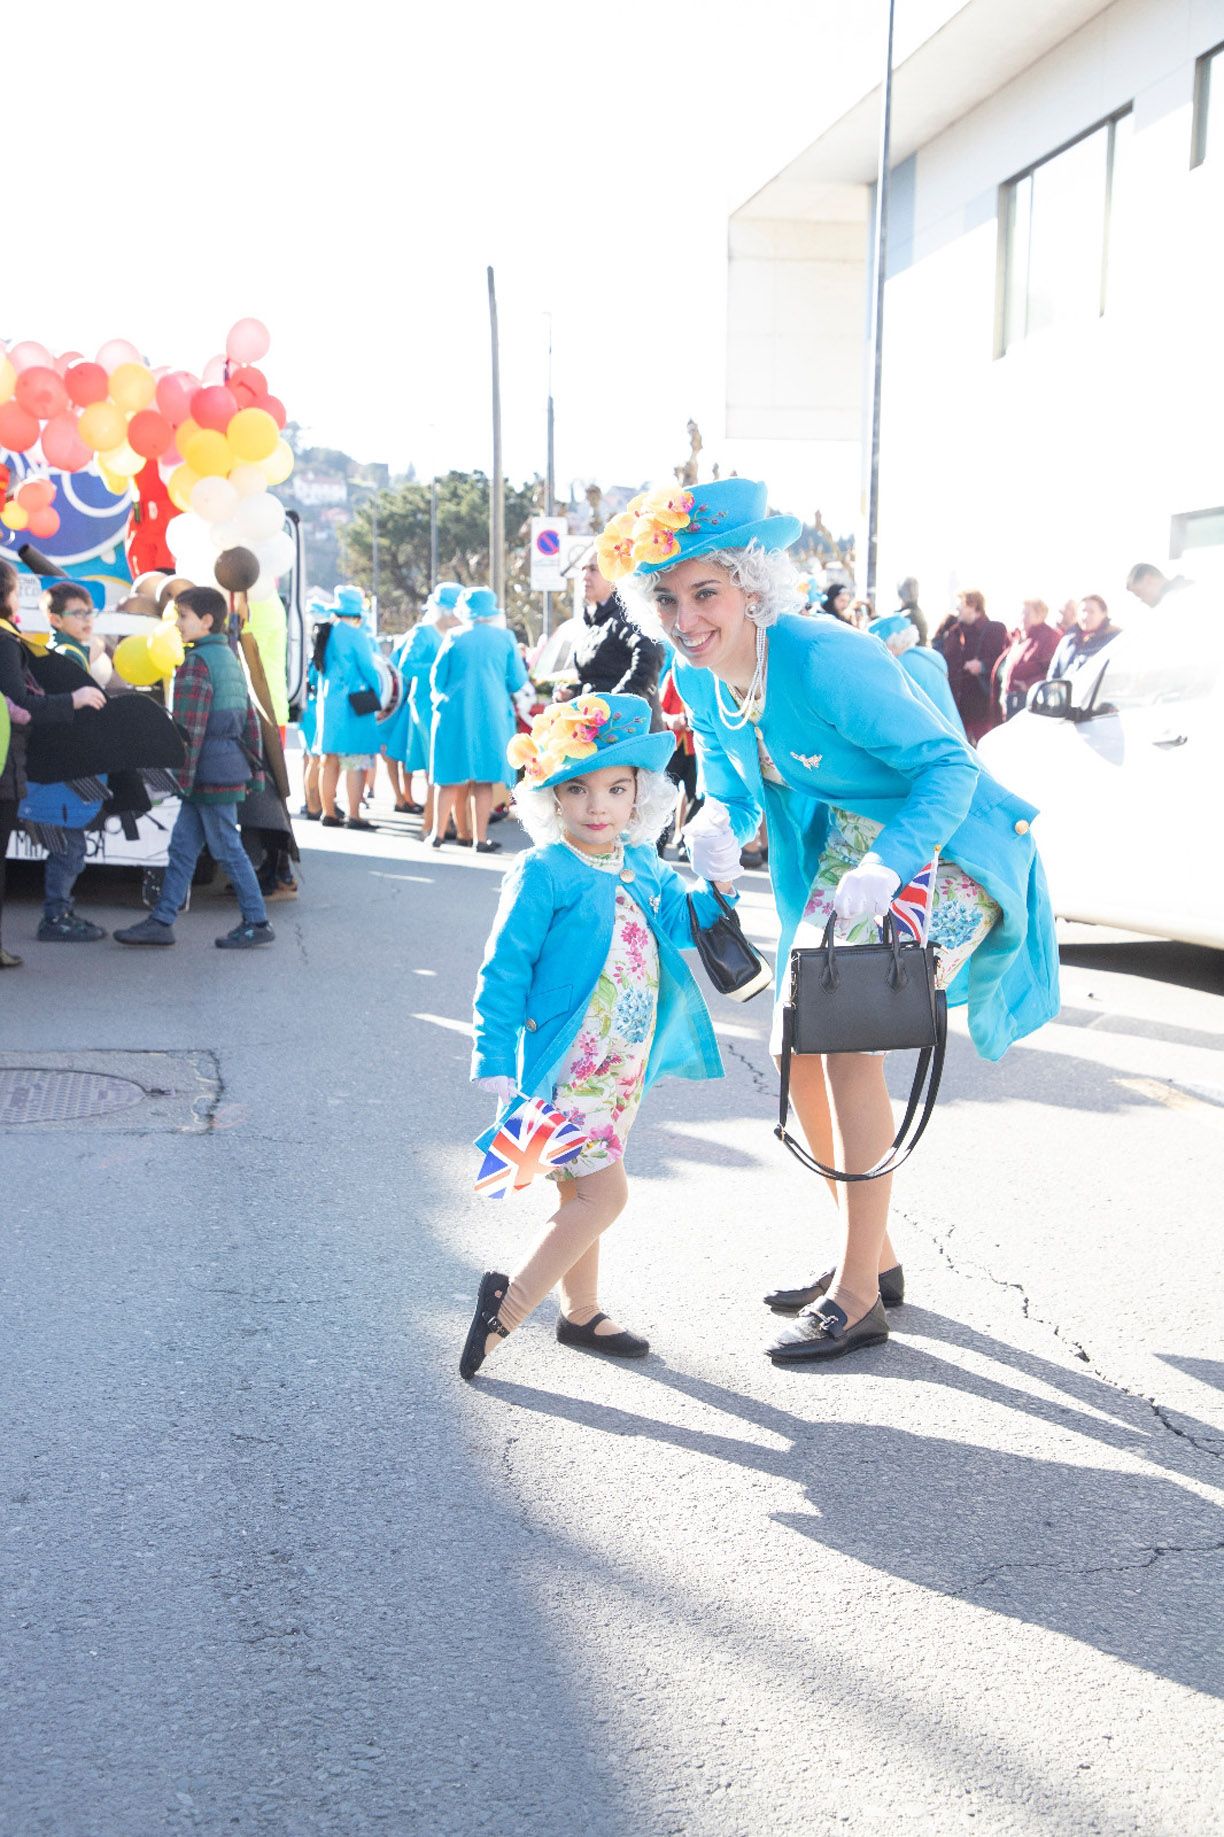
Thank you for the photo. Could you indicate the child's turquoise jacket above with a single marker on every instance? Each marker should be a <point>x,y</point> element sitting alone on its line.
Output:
<point>550,941</point>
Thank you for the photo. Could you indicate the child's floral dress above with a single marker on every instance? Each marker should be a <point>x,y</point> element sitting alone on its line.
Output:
<point>600,1085</point>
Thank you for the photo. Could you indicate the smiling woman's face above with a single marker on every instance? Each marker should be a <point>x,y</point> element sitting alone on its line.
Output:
<point>705,615</point>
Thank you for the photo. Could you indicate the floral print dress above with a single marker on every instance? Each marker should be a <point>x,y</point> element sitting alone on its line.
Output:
<point>600,1085</point>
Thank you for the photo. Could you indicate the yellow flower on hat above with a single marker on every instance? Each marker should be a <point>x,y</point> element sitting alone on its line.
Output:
<point>668,506</point>
<point>652,542</point>
<point>521,751</point>
<point>614,546</point>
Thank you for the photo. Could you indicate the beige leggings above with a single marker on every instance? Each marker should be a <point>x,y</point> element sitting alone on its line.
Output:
<point>568,1253</point>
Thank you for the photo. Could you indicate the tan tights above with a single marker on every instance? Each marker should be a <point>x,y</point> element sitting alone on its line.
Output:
<point>568,1253</point>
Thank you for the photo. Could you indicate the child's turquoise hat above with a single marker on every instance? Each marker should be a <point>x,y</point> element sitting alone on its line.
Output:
<point>569,739</point>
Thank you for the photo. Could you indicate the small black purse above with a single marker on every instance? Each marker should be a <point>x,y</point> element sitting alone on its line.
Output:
<point>733,965</point>
<point>866,998</point>
<point>364,701</point>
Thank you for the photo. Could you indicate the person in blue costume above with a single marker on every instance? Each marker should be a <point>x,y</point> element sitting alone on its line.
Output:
<point>584,998</point>
<point>897,632</point>
<point>308,724</point>
<point>862,784</point>
<point>348,739</point>
<point>477,671</point>
<point>414,658</point>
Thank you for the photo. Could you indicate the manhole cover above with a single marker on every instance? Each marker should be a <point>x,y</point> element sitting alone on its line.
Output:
<point>29,1096</point>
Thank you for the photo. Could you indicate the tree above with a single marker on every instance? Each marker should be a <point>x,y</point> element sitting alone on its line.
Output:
<point>463,544</point>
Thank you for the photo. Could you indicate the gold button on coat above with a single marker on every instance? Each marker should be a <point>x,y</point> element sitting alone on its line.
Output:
<point>531,1026</point>
<point>1022,827</point>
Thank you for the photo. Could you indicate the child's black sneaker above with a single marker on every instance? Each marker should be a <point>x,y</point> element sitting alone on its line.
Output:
<point>246,937</point>
<point>69,929</point>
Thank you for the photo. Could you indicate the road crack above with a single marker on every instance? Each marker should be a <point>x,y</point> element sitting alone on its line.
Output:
<point>1146,1557</point>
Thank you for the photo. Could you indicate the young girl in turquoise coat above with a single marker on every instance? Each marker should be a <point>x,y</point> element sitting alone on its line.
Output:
<point>584,997</point>
<point>862,783</point>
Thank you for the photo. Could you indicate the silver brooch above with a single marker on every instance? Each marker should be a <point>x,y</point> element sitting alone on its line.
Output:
<point>810,760</point>
<point>656,900</point>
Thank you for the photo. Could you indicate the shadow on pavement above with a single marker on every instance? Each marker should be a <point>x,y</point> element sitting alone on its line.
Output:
<point>1189,966</point>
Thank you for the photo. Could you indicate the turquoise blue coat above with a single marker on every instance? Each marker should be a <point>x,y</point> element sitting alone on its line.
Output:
<point>477,670</point>
<point>308,721</point>
<point>550,941</point>
<point>414,658</point>
<point>844,727</point>
<point>930,672</point>
<point>350,664</point>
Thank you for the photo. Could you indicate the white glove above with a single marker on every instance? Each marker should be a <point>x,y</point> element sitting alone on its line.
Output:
<point>866,890</point>
<point>503,1089</point>
<point>712,847</point>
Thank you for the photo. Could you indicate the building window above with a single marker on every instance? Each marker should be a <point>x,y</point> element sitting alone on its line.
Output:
<point>1196,529</point>
<point>1054,234</point>
<point>1208,76</point>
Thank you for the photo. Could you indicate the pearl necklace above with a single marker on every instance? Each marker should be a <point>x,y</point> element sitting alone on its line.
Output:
<point>611,862</point>
<point>752,707</point>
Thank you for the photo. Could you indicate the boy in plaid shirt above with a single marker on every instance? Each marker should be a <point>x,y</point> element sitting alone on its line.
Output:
<point>221,729</point>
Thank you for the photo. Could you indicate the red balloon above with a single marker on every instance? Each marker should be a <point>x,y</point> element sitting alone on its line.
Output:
<point>41,392</point>
<point>62,446</point>
<point>174,397</point>
<point>87,383</point>
<point>18,427</point>
<point>249,386</point>
<point>276,408</point>
<point>149,434</point>
<point>36,494</point>
<point>43,522</point>
<point>213,407</point>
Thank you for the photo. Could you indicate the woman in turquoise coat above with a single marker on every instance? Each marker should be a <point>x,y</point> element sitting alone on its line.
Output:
<point>923,666</point>
<point>414,658</point>
<point>478,670</point>
<point>862,784</point>
<point>348,741</point>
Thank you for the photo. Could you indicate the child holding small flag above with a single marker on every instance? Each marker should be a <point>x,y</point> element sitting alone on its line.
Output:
<point>584,998</point>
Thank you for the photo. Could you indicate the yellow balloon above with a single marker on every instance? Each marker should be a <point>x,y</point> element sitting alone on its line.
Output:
<point>114,481</point>
<point>14,515</point>
<point>8,378</point>
<point>166,648</point>
<point>183,482</point>
<point>208,454</point>
<point>122,460</point>
<point>252,434</point>
<point>132,387</point>
<point>134,660</point>
<point>102,426</point>
<point>279,464</point>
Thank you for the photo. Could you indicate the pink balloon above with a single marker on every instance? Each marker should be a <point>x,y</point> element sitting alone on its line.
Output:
<point>248,341</point>
<point>118,351</point>
<point>214,370</point>
<point>66,359</point>
<point>63,447</point>
<point>213,406</point>
<point>174,395</point>
<point>24,355</point>
<point>43,522</point>
<point>40,390</point>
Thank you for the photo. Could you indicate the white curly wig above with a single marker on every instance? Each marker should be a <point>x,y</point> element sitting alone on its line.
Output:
<point>540,814</point>
<point>769,575</point>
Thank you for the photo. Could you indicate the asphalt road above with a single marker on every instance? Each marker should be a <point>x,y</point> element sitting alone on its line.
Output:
<point>270,1567</point>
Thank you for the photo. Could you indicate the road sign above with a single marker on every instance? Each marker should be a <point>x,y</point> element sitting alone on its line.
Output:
<point>548,558</point>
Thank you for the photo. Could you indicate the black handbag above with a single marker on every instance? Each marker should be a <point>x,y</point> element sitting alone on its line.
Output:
<point>364,701</point>
<point>866,998</point>
<point>733,965</point>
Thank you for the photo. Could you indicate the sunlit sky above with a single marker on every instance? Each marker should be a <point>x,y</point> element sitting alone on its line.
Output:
<point>345,173</point>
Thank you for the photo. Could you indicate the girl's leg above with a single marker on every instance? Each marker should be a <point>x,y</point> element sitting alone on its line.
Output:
<point>811,1099</point>
<point>427,818</point>
<point>330,781</point>
<point>463,812</point>
<point>311,787</point>
<point>444,803</point>
<point>355,784</point>
<point>863,1129</point>
<point>587,1206</point>
<point>482,803</point>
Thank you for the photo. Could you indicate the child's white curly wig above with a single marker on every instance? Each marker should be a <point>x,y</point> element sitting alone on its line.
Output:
<point>540,813</point>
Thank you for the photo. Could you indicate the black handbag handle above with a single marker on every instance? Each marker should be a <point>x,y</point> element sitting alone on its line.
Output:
<point>930,1061</point>
<point>728,911</point>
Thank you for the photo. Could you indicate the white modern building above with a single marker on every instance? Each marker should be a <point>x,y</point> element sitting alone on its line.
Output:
<point>1053,379</point>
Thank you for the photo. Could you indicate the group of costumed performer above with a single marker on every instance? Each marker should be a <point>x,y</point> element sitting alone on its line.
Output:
<point>863,785</point>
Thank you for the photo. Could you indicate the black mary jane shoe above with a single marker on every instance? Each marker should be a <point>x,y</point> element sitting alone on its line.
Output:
<point>822,1332</point>
<point>790,1300</point>
<point>488,848</point>
<point>621,1345</point>
<point>489,1297</point>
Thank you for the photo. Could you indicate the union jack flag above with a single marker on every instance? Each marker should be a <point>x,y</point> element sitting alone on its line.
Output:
<point>534,1137</point>
<point>911,907</point>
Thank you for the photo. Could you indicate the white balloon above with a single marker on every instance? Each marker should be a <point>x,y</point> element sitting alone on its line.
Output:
<point>248,480</point>
<point>227,536</point>
<point>275,555</point>
<point>184,532</point>
<point>259,518</point>
<point>264,589</point>
<point>214,499</point>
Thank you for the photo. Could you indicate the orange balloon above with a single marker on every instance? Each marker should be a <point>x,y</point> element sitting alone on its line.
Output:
<point>132,387</point>
<point>102,426</point>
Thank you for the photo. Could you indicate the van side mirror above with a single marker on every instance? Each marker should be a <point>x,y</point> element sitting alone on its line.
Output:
<point>1052,699</point>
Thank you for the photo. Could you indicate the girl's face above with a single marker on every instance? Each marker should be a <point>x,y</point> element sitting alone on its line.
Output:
<point>597,807</point>
<point>705,615</point>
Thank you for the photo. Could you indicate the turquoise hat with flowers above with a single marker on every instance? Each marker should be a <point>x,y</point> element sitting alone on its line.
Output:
<point>662,528</point>
<point>569,739</point>
<point>479,603</point>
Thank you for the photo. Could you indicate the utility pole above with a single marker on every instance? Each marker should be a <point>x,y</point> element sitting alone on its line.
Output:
<point>374,546</point>
<point>497,492</point>
<point>550,491</point>
<point>433,533</point>
<point>883,177</point>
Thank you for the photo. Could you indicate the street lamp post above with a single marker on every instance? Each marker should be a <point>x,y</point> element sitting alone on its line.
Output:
<point>883,176</point>
<point>372,504</point>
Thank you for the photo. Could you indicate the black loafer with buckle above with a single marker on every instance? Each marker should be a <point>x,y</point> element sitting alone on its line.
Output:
<point>822,1332</point>
<point>489,1297</point>
<point>621,1345</point>
<point>790,1300</point>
